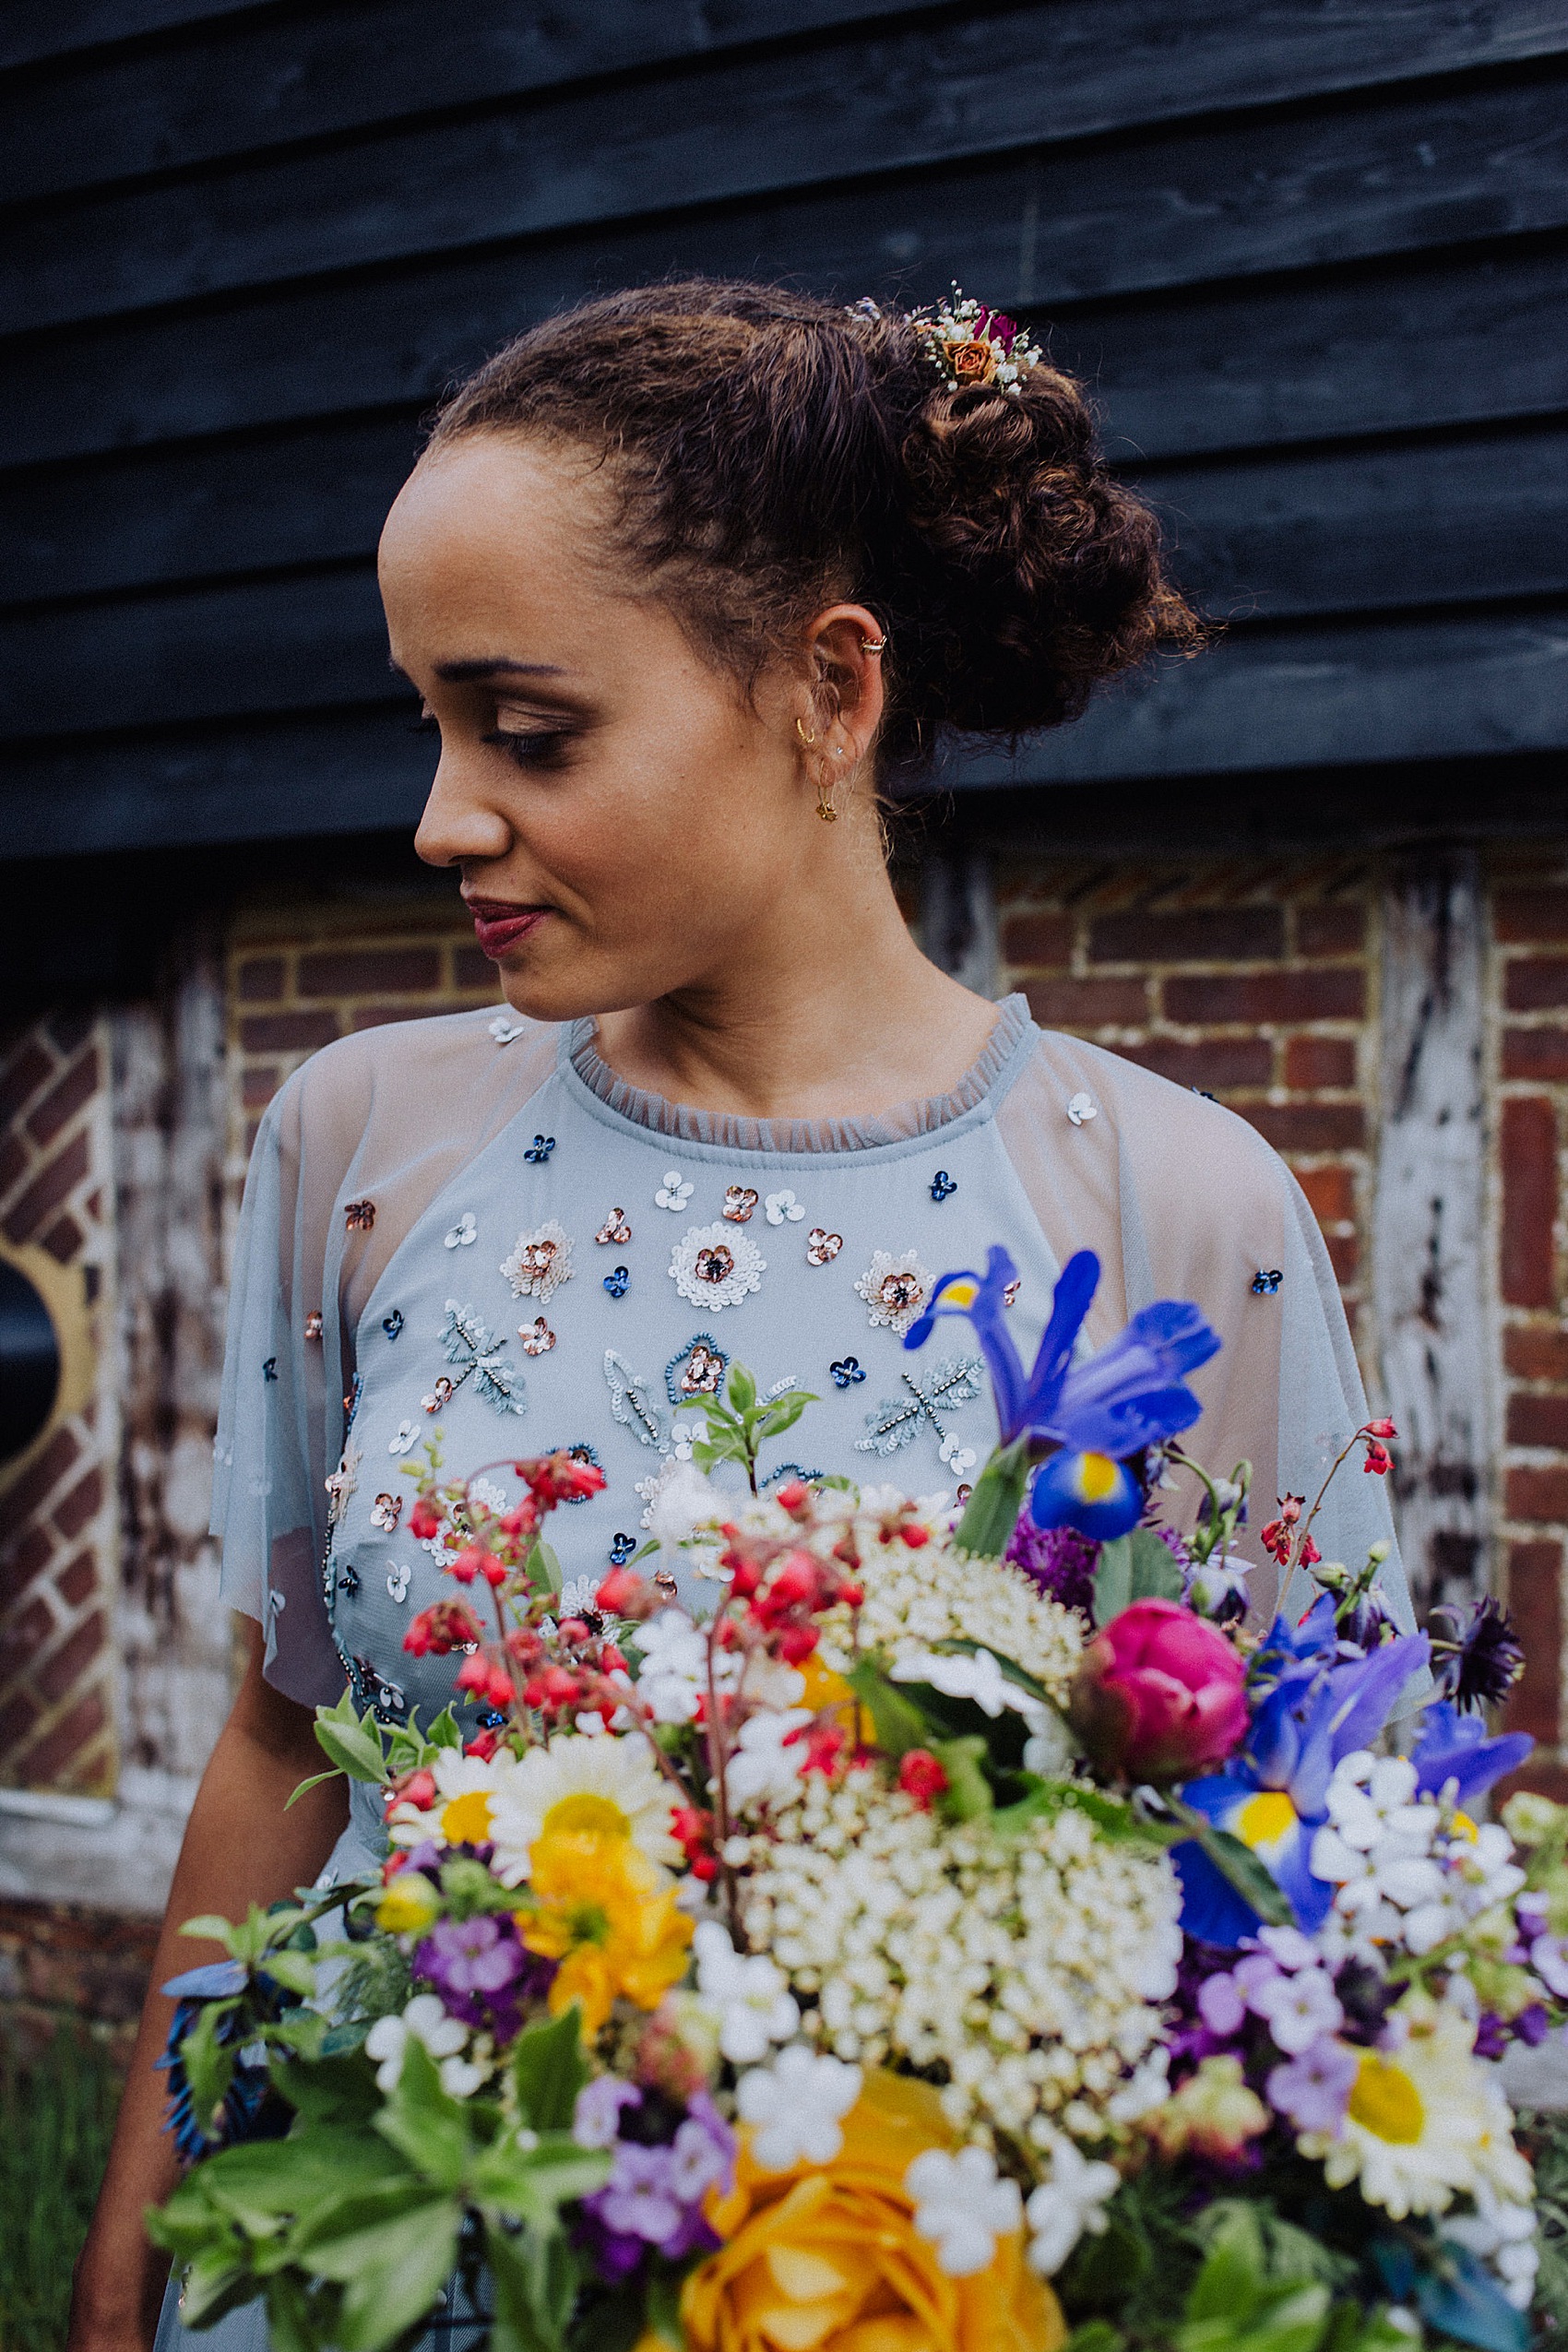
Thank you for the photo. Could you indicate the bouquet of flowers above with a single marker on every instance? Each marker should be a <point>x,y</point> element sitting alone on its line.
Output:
<point>964,1933</point>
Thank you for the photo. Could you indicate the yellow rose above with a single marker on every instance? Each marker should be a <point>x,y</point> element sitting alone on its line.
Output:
<point>828,2259</point>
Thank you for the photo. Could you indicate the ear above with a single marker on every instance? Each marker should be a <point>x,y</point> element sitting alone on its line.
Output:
<point>846,677</point>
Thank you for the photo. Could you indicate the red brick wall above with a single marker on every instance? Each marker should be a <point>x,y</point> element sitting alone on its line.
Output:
<point>56,1515</point>
<point>1248,981</point>
<point>1529,911</point>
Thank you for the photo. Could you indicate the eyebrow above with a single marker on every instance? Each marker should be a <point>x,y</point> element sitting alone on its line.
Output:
<point>462,673</point>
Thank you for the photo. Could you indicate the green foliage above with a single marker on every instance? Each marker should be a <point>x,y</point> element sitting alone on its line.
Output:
<point>57,2115</point>
<point>549,2070</point>
<point>740,1423</point>
<point>363,1749</point>
<point>1134,1567</point>
<point>998,1497</point>
<point>1544,2138</point>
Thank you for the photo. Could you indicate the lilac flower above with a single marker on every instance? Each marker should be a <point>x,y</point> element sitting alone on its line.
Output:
<point>639,2199</point>
<point>596,2118</point>
<point>703,2153</point>
<point>1222,2005</point>
<point>1314,2090</point>
<point>1532,2026</point>
<point>1493,2035</point>
<point>481,1970</point>
<point>1299,2010</point>
<point>1549,1958</point>
<point>1059,1560</point>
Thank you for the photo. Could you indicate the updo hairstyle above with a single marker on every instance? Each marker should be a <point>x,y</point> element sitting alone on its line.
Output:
<point>772,454</point>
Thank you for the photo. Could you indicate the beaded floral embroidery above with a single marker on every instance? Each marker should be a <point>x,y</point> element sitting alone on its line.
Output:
<point>504,1031</point>
<point>675,1190</point>
<point>398,1581</point>
<point>615,1232</point>
<point>897,1421</point>
<point>358,1217</point>
<point>386,1512</point>
<point>716,1266</point>
<point>465,1233</point>
<point>313,1325</point>
<point>696,1370</point>
<point>393,1323</point>
<point>540,1261</point>
<point>894,1289</point>
<point>405,1437</point>
<point>781,1208</point>
<point>469,1345</point>
<point>822,1247</point>
<point>739,1201</point>
<point>537,1337</point>
<point>340,1483</point>
<point>633,1405</point>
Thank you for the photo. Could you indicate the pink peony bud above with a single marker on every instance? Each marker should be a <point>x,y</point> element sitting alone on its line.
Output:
<point>1159,1696</point>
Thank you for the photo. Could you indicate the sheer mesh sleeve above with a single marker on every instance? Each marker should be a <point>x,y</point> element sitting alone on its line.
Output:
<point>1183,1199</point>
<point>383,1119</point>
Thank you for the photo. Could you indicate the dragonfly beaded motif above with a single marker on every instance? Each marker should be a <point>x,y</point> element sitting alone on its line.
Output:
<point>467,1343</point>
<point>897,1421</point>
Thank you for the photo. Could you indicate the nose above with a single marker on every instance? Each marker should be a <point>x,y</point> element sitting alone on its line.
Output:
<point>459,821</point>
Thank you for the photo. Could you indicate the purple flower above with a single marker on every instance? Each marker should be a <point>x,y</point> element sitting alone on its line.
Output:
<point>1549,1958</point>
<point>596,2118</point>
<point>1476,1662</point>
<point>614,2253</point>
<point>699,2159</point>
<point>1059,1560</point>
<point>1493,2035</point>
<point>640,2199</point>
<point>1222,2005</point>
<point>1315,2088</point>
<point>1532,2026</point>
<point>481,1972</point>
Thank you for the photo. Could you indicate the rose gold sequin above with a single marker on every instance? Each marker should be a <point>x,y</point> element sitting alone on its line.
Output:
<point>898,1292</point>
<point>702,1373</point>
<point>739,1201</point>
<point>820,1247</point>
<point>537,1337</point>
<point>386,1512</point>
<point>714,1263</point>
<point>313,1325</point>
<point>615,1232</point>
<point>358,1215</point>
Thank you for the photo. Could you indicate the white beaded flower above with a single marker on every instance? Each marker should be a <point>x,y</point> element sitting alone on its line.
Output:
<point>398,1579</point>
<point>404,1439</point>
<point>675,1190</point>
<point>781,1205</point>
<point>894,1288</point>
<point>716,1266</point>
<point>504,1031</point>
<point>540,1262</point>
<point>464,1231</point>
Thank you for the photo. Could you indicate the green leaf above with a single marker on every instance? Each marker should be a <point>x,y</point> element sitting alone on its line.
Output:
<point>549,2069</point>
<point>1155,1574</point>
<point>740,1389</point>
<point>969,1790</point>
<point>315,1781</point>
<point>216,2284</point>
<point>1113,1580</point>
<point>335,2090</point>
<point>1095,2335</point>
<point>664,2307</point>
<point>352,1749</point>
<point>207,1928</point>
<point>896,1720</point>
<point>998,1498</point>
<point>271,2176</point>
<point>424,2123</point>
<point>545,1567</point>
<point>295,1971</point>
<point>444,1732</point>
<point>536,2277</point>
<point>392,2256</point>
<point>210,2067</point>
<point>531,2184</point>
<point>289,2316</point>
<point>786,1411</point>
<point>1239,1865</point>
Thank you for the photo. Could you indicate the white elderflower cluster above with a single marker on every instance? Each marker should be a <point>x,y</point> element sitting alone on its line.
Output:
<point>1408,1872</point>
<point>1027,1968</point>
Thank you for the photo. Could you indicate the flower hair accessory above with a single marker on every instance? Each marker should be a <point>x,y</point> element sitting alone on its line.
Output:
<point>969,345</point>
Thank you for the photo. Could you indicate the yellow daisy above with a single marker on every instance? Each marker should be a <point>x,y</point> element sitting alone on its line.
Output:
<point>602,1909</point>
<point>468,1791</point>
<point>582,1786</point>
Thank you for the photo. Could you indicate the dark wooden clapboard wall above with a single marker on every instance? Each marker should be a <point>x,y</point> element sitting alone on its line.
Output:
<point>1312,253</point>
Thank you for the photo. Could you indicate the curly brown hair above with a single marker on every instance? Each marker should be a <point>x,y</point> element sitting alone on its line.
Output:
<point>773,452</point>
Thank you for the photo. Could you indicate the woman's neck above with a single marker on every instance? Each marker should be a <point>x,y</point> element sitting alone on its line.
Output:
<point>825,1009</point>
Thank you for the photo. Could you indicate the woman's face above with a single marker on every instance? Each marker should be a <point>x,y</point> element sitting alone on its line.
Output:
<point>622,813</point>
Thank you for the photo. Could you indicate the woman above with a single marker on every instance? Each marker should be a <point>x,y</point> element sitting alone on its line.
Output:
<point>680,576</point>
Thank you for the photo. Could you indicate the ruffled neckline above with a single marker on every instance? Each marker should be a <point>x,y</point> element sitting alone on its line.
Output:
<point>987,1079</point>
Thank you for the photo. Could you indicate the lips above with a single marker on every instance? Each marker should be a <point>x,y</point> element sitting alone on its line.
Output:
<point>499,925</point>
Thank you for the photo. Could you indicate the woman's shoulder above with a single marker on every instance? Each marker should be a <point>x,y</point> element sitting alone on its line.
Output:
<point>425,1075</point>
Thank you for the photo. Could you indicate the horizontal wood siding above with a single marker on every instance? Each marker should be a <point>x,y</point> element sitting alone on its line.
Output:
<point>1312,255</point>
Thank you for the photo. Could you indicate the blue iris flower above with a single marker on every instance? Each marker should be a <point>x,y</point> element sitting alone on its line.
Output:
<point>1274,1796</point>
<point>1097,1412</point>
<point>248,2109</point>
<point>1455,1747</point>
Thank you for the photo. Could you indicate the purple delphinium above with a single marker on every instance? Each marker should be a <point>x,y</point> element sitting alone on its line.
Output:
<point>666,2157</point>
<point>1059,1560</point>
<point>1313,2089</point>
<point>481,1971</point>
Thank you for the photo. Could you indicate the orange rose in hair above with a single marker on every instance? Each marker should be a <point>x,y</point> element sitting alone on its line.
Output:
<point>972,362</point>
<point>828,2259</point>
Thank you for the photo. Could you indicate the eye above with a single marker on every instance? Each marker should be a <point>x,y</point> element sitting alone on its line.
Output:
<point>532,747</point>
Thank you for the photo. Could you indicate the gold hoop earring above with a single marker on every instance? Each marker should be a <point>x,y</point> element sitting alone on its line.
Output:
<point>809,741</point>
<point>873,645</point>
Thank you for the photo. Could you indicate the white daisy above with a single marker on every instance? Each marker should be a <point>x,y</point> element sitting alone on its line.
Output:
<point>894,1288</point>
<point>1420,2119</point>
<point>596,1787</point>
<point>540,1261</point>
<point>467,1793</point>
<point>716,1266</point>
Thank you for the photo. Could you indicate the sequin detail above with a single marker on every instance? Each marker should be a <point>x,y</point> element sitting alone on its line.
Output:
<point>739,1201</point>
<point>621,1549</point>
<point>1266,1283</point>
<point>398,1581</point>
<point>269,1369</point>
<point>341,1482</point>
<point>1081,1107</point>
<point>464,1233</point>
<point>540,1261</point>
<point>358,1217</point>
<point>539,1151</point>
<point>405,1437</point>
<point>633,1404</point>
<point>393,1323</point>
<point>716,1266</point>
<point>846,1372</point>
<point>895,1290</point>
<point>675,1190</point>
<point>615,1232</point>
<point>504,1031</point>
<point>386,1512</point>
<point>469,1345</point>
<point>822,1248</point>
<point>440,1395</point>
<point>696,1370</point>
<point>617,1281</point>
<point>958,1457</point>
<point>537,1337</point>
<point>1010,1295</point>
<point>897,1419</point>
<point>942,1186</point>
<point>783,1208</point>
<point>313,1323</point>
